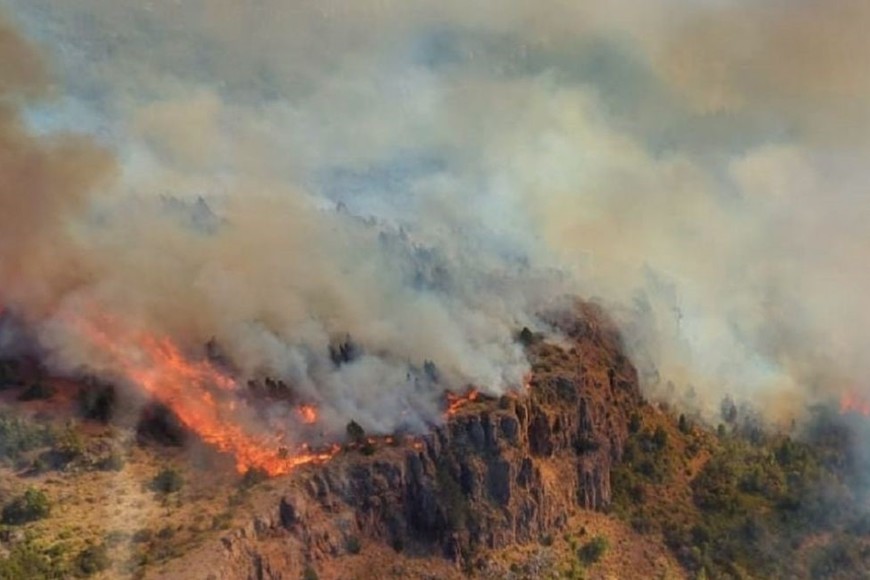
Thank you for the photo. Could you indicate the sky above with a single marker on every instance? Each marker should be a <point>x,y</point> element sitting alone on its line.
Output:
<point>427,176</point>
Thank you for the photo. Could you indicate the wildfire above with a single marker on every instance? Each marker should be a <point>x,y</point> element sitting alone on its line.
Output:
<point>193,391</point>
<point>456,402</point>
<point>854,403</point>
<point>308,414</point>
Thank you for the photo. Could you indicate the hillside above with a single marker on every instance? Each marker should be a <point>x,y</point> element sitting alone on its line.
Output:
<point>578,477</point>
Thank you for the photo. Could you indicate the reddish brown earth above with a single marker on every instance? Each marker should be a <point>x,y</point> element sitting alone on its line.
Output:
<point>500,478</point>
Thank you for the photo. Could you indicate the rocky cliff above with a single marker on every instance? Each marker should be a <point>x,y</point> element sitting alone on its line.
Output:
<point>498,472</point>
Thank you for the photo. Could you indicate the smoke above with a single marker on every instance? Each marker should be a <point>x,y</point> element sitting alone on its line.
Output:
<point>424,177</point>
<point>42,182</point>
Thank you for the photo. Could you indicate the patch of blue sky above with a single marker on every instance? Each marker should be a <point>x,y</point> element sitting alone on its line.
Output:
<point>381,188</point>
<point>67,115</point>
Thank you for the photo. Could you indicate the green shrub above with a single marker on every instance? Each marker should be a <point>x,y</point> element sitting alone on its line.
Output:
<point>26,561</point>
<point>69,445</point>
<point>169,480</point>
<point>310,574</point>
<point>18,435</point>
<point>31,506</point>
<point>593,550</point>
<point>353,545</point>
<point>92,560</point>
<point>547,540</point>
<point>114,461</point>
<point>660,437</point>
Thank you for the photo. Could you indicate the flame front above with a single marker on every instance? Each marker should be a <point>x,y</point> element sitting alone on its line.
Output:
<point>308,414</point>
<point>456,402</point>
<point>197,393</point>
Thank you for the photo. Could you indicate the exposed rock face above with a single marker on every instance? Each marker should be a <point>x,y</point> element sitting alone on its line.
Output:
<point>499,472</point>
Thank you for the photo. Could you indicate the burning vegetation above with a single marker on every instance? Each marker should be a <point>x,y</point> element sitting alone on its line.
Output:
<point>204,398</point>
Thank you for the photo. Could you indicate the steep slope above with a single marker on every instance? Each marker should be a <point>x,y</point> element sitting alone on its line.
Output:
<point>498,473</point>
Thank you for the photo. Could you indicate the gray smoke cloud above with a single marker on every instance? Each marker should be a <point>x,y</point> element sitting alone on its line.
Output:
<point>425,176</point>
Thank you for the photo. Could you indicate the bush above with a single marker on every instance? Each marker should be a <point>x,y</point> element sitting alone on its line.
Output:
<point>142,536</point>
<point>353,545</point>
<point>114,461</point>
<point>158,424</point>
<point>166,533</point>
<point>31,506</point>
<point>526,337</point>
<point>36,392</point>
<point>547,540</point>
<point>26,561</point>
<point>69,444</point>
<point>253,476</point>
<point>114,538</point>
<point>97,402</point>
<point>19,435</point>
<point>167,481</point>
<point>310,574</point>
<point>221,521</point>
<point>592,551</point>
<point>92,560</point>
<point>660,437</point>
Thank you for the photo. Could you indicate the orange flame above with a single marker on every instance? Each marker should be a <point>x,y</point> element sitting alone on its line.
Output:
<point>193,391</point>
<point>854,403</point>
<point>308,414</point>
<point>456,402</point>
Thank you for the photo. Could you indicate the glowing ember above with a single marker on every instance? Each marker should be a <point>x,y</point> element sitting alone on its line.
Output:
<point>854,403</point>
<point>308,414</point>
<point>456,402</point>
<point>194,391</point>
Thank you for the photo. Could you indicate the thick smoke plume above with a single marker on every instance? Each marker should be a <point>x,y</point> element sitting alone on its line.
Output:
<point>424,178</point>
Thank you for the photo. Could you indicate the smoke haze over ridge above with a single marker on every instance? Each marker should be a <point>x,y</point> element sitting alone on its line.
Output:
<point>700,166</point>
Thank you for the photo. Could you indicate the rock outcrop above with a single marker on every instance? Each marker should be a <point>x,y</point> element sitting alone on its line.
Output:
<point>499,472</point>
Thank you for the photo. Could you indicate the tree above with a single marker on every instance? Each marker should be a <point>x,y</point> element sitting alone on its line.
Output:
<point>660,437</point>
<point>683,424</point>
<point>31,506</point>
<point>355,432</point>
<point>526,336</point>
<point>728,410</point>
<point>344,352</point>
